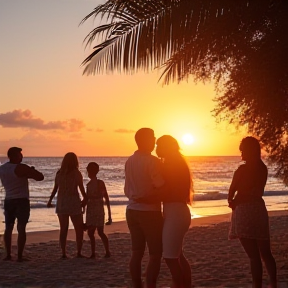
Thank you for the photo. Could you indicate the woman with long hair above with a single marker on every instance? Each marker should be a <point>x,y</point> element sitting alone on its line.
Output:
<point>176,196</point>
<point>177,218</point>
<point>69,205</point>
<point>249,222</point>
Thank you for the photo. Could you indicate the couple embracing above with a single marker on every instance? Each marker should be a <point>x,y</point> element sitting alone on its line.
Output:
<point>150,181</point>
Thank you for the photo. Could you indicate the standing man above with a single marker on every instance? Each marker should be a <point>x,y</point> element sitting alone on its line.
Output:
<point>142,174</point>
<point>14,177</point>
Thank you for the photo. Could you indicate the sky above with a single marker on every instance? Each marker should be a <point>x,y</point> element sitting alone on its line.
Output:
<point>48,108</point>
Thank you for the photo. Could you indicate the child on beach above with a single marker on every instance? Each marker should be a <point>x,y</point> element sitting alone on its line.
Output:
<point>96,192</point>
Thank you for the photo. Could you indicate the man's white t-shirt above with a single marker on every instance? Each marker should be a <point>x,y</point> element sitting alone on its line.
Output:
<point>142,174</point>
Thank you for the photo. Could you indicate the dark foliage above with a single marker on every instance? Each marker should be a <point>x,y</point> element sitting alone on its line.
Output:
<point>241,45</point>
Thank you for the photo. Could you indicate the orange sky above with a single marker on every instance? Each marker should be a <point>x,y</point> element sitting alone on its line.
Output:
<point>48,108</point>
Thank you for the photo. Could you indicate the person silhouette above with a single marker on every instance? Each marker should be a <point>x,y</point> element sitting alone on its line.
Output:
<point>176,196</point>
<point>145,222</point>
<point>249,220</point>
<point>96,192</point>
<point>69,205</point>
<point>14,176</point>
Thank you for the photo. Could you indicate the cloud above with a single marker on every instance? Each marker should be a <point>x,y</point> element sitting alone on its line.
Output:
<point>41,144</point>
<point>74,125</point>
<point>124,131</point>
<point>97,130</point>
<point>25,119</point>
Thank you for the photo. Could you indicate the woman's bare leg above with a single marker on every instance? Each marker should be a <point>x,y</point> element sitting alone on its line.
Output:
<point>64,225</point>
<point>270,264</point>
<point>186,271</point>
<point>251,248</point>
<point>176,271</point>
<point>77,221</point>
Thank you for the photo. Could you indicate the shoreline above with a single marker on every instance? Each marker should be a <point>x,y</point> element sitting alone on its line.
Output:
<point>121,227</point>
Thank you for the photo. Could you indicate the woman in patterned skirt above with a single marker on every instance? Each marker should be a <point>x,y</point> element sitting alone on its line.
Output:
<point>249,221</point>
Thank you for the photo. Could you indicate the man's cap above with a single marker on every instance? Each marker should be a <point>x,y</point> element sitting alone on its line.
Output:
<point>12,151</point>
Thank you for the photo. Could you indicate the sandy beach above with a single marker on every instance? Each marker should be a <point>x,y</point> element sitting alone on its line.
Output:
<point>215,260</point>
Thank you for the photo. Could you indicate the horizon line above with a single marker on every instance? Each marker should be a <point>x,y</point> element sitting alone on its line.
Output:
<point>117,156</point>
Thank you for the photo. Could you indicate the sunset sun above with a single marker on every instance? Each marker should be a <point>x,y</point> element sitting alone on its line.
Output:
<point>188,139</point>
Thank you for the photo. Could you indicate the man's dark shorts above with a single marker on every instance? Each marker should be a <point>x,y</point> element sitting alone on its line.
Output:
<point>16,208</point>
<point>145,227</point>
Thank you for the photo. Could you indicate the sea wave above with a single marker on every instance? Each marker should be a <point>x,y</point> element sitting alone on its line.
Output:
<point>116,200</point>
<point>222,195</point>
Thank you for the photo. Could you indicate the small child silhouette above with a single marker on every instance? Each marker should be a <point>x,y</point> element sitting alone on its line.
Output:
<point>96,192</point>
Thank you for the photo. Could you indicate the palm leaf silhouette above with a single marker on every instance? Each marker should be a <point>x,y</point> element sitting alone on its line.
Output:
<point>240,44</point>
<point>183,36</point>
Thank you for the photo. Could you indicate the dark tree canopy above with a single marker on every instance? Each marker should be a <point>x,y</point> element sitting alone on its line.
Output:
<point>241,45</point>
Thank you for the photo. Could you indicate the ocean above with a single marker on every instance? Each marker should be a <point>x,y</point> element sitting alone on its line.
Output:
<point>211,177</point>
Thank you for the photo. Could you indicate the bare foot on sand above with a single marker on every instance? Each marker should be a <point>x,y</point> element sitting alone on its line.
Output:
<point>107,255</point>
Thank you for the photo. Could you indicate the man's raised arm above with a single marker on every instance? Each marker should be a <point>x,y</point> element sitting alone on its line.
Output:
<point>23,170</point>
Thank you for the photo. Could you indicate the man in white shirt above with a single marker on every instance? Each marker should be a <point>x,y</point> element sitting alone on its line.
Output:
<point>14,177</point>
<point>145,221</point>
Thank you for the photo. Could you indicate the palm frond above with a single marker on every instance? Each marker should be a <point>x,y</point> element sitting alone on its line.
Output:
<point>150,34</point>
<point>241,44</point>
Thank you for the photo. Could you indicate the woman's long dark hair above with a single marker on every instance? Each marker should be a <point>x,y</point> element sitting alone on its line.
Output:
<point>172,148</point>
<point>69,163</point>
<point>251,147</point>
